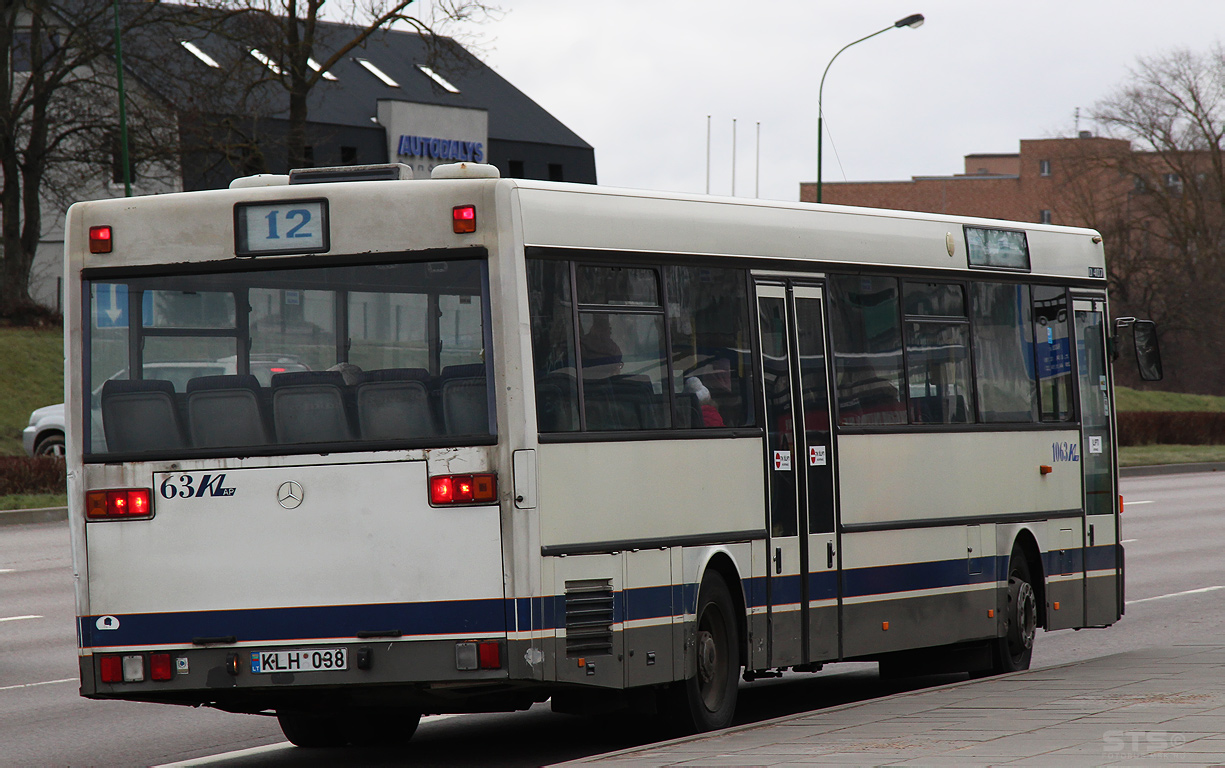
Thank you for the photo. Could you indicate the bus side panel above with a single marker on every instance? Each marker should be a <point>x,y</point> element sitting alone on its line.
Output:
<point>1062,545</point>
<point>614,492</point>
<point>895,599</point>
<point>912,587</point>
<point>930,476</point>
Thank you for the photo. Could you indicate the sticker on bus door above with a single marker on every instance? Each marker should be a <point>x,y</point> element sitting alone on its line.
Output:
<point>816,455</point>
<point>782,460</point>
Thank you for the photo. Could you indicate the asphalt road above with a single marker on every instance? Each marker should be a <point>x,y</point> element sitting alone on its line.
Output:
<point>1172,528</point>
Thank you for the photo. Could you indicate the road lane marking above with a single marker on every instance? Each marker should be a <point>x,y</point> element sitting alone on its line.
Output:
<point>7,570</point>
<point>1127,503</point>
<point>35,685</point>
<point>19,618</point>
<point>1201,590</point>
<point>253,751</point>
<point>1128,541</point>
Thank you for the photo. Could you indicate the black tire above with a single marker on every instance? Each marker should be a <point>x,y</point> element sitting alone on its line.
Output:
<point>312,729</point>
<point>383,727</point>
<point>1014,650</point>
<point>50,445</point>
<point>708,699</point>
<point>357,727</point>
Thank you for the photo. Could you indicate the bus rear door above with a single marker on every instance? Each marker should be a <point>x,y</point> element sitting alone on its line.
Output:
<point>1103,560</point>
<point>803,546</point>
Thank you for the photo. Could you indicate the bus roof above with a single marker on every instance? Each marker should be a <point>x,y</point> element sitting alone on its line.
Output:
<point>393,216</point>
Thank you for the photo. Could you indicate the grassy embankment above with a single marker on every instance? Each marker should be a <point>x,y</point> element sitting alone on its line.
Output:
<point>1141,455</point>
<point>31,375</point>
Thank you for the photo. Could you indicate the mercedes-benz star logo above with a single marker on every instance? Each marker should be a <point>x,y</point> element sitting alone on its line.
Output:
<point>289,495</point>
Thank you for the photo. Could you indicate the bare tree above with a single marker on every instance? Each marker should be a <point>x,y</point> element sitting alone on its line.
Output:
<point>58,110</point>
<point>300,47</point>
<point>1159,202</point>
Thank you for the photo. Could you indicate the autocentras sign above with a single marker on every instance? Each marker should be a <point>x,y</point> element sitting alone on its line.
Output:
<point>441,149</point>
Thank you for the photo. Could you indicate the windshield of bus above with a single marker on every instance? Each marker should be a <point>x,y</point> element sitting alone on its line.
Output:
<point>288,360</point>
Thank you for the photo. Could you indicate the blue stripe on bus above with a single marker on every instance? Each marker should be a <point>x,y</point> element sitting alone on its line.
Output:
<point>495,616</point>
<point>476,617</point>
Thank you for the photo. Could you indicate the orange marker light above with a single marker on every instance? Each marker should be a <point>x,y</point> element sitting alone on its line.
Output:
<point>990,613</point>
<point>884,625</point>
<point>1056,605</point>
<point>1045,469</point>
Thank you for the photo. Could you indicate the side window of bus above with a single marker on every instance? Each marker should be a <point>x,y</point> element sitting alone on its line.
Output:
<point>937,353</point>
<point>708,323</point>
<point>621,348</point>
<point>552,327</point>
<point>866,327</point>
<point>1004,353</point>
<point>630,380</point>
<point>1053,352</point>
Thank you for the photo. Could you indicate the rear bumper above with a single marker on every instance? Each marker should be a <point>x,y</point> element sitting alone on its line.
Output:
<point>421,675</point>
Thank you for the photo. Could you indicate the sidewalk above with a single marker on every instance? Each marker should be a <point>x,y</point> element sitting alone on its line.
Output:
<point>1156,707</point>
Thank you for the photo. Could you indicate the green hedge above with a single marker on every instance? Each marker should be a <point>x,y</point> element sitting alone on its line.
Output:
<point>1171,428</point>
<point>23,474</point>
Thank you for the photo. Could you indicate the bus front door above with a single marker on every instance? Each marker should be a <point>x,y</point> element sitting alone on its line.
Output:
<point>1103,559</point>
<point>802,585</point>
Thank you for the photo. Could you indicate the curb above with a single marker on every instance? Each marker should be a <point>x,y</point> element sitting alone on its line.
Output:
<point>1171,469</point>
<point>37,515</point>
<point>815,712</point>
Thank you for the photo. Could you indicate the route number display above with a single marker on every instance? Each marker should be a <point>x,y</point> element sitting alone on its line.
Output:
<point>289,226</point>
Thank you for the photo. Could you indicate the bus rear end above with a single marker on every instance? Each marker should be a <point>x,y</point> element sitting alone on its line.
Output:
<point>284,477</point>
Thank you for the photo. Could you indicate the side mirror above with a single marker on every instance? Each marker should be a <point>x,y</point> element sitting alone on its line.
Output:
<point>1148,351</point>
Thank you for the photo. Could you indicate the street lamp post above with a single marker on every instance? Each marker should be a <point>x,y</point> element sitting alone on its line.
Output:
<point>123,110</point>
<point>914,21</point>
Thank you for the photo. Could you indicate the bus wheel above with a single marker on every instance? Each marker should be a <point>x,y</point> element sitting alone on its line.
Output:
<point>709,699</point>
<point>1014,649</point>
<point>383,727</point>
<point>313,729</point>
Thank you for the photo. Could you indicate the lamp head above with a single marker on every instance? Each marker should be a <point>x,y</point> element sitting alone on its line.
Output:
<point>914,21</point>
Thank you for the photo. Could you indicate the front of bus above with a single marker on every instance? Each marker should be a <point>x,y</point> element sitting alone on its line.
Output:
<point>284,475</point>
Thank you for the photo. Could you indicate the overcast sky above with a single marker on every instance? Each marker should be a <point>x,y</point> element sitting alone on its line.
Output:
<point>637,78</point>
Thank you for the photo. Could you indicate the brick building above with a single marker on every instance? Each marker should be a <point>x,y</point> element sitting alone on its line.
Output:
<point>1043,182</point>
<point>1161,214</point>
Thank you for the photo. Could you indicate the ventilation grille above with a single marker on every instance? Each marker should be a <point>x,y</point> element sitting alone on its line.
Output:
<point>589,617</point>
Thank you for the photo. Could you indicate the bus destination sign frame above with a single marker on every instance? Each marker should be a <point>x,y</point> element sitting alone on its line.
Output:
<point>282,227</point>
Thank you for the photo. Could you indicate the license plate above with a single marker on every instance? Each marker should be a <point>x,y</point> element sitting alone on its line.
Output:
<point>314,660</point>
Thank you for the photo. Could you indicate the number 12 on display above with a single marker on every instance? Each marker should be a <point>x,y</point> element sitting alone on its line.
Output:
<point>297,226</point>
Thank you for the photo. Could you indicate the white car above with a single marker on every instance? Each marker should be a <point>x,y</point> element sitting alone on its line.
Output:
<point>45,434</point>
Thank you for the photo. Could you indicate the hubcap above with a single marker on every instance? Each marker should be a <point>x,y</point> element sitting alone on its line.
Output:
<point>707,655</point>
<point>712,672</point>
<point>1027,615</point>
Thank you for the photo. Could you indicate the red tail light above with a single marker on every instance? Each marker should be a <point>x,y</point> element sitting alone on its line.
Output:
<point>446,490</point>
<point>463,219</point>
<point>111,668</point>
<point>440,490</point>
<point>490,654</point>
<point>100,239</point>
<point>160,667</point>
<point>121,504</point>
<point>463,488</point>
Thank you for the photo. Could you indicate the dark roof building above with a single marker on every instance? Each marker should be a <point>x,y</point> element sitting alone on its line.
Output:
<point>398,97</point>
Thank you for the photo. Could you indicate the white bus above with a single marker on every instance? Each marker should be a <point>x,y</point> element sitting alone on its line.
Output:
<point>467,443</point>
